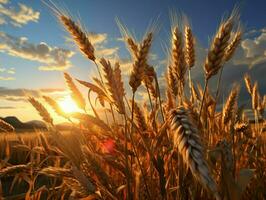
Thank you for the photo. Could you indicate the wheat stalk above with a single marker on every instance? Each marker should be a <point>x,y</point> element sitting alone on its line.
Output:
<point>13,170</point>
<point>190,47</point>
<point>178,60</point>
<point>216,53</point>
<point>186,139</point>
<point>79,36</point>
<point>133,47</point>
<point>255,97</point>
<point>139,118</point>
<point>6,126</point>
<point>114,84</point>
<point>172,82</point>
<point>42,110</point>
<point>75,93</point>
<point>140,63</point>
<point>55,106</point>
<point>218,48</point>
<point>248,83</point>
<point>230,105</point>
<point>231,48</point>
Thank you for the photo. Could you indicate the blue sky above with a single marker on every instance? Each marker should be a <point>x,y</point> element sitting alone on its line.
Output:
<point>30,24</point>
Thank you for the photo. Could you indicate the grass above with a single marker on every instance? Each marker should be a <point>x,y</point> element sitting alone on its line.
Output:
<point>179,146</point>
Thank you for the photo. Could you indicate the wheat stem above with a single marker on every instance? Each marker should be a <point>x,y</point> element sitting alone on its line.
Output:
<point>190,83</point>
<point>126,160</point>
<point>134,147</point>
<point>159,95</point>
<point>93,109</point>
<point>99,72</point>
<point>149,95</point>
<point>203,98</point>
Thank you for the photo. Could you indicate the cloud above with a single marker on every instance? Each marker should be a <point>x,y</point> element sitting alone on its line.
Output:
<point>7,107</point>
<point>106,52</point>
<point>97,38</point>
<point>3,1</point>
<point>5,78</point>
<point>252,50</point>
<point>53,58</point>
<point>21,94</point>
<point>250,57</point>
<point>11,71</point>
<point>17,16</point>
<point>6,74</point>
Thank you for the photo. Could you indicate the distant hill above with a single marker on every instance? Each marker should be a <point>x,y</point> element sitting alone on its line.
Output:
<point>17,124</point>
<point>34,124</point>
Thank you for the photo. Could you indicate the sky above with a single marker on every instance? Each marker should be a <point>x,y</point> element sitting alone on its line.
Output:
<point>35,49</point>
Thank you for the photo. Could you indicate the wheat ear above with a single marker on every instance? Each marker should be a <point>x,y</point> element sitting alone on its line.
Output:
<point>190,47</point>
<point>230,105</point>
<point>172,82</point>
<point>139,118</point>
<point>6,126</point>
<point>231,48</point>
<point>255,97</point>
<point>114,84</point>
<point>178,61</point>
<point>79,36</point>
<point>186,139</point>
<point>75,93</point>
<point>42,110</point>
<point>133,47</point>
<point>139,63</point>
<point>55,106</point>
<point>248,83</point>
<point>218,48</point>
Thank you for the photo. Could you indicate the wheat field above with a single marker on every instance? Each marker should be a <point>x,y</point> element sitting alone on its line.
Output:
<point>178,145</point>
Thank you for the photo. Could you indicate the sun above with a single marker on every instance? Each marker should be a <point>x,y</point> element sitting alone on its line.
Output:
<point>68,105</point>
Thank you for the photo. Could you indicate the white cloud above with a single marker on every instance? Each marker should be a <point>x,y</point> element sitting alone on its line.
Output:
<point>4,78</point>
<point>97,38</point>
<point>3,1</point>
<point>17,16</point>
<point>252,50</point>
<point>6,74</point>
<point>53,58</point>
<point>106,52</point>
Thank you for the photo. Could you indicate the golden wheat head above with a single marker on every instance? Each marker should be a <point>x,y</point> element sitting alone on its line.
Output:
<point>186,139</point>
<point>41,109</point>
<point>6,126</point>
<point>79,36</point>
<point>140,62</point>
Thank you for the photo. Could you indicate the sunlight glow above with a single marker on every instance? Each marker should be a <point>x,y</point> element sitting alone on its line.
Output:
<point>68,105</point>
